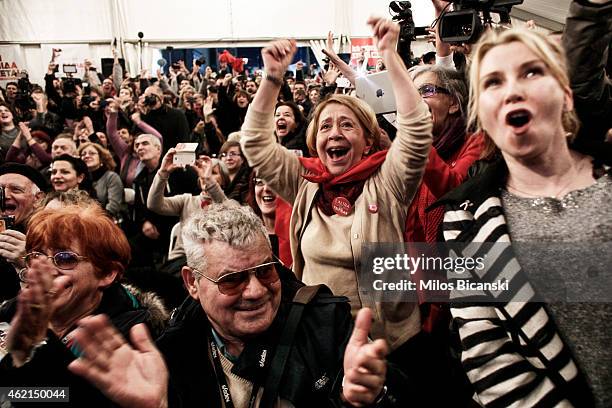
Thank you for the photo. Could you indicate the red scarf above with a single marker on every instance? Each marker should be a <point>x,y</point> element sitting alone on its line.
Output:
<point>348,184</point>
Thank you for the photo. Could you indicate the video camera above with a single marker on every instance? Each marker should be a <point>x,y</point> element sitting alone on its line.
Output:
<point>470,17</point>
<point>23,100</point>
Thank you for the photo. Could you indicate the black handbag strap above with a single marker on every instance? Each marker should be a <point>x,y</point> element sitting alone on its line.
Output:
<point>302,297</point>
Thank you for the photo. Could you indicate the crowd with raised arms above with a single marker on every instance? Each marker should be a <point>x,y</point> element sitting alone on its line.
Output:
<point>258,245</point>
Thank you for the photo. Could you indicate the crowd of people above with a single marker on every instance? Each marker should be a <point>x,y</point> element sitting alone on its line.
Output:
<point>238,280</point>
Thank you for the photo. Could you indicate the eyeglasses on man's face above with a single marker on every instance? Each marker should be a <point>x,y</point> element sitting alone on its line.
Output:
<point>233,283</point>
<point>230,154</point>
<point>429,90</point>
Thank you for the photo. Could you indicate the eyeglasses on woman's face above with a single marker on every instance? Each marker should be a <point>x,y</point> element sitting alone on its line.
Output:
<point>230,154</point>
<point>429,90</point>
<point>233,283</point>
<point>65,260</point>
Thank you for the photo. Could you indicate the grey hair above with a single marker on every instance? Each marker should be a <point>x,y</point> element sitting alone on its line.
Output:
<point>152,139</point>
<point>228,222</point>
<point>453,80</point>
<point>225,176</point>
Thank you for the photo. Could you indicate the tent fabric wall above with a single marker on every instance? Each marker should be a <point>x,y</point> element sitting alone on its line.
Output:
<point>190,24</point>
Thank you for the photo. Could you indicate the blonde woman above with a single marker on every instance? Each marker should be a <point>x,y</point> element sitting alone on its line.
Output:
<point>523,353</point>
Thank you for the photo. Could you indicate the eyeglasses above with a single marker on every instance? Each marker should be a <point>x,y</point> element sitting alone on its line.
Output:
<point>258,182</point>
<point>230,154</point>
<point>65,260</point>
<point>234,283</point>
<point>429,90</point>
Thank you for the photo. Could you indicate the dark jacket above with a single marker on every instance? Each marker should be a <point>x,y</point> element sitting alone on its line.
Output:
<point>171,123</point>
<point>313,372</point>
<point>124,306</point>
<point>586,39</point>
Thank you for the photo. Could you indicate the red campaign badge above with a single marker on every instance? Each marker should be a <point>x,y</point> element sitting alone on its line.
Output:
<point>342,206</point>
<point>373,208</point>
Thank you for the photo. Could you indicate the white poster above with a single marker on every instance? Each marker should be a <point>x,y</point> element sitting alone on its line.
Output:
<point>11,63</point>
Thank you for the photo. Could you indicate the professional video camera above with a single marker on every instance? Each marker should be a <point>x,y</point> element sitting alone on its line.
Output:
<point>401,11</point>
<point>23,100</point>
<point>470,17</point>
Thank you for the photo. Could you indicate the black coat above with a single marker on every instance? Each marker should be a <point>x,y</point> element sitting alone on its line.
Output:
<point>313,372</point>
<point>171,123</point>
<point>48,367</point>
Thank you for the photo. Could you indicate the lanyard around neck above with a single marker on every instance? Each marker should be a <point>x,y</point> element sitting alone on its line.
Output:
<point>222,381</point>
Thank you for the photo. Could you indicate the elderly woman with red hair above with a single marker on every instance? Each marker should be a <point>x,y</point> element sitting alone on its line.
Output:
<point>75,258</point>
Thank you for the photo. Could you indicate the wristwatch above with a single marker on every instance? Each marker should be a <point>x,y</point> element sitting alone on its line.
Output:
<point>274,79</point>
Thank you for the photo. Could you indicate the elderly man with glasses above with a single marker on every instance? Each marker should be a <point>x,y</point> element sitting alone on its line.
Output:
<point>250,335</point>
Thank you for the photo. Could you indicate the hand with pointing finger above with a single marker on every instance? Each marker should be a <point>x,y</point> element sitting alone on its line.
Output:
<point>365,366</point>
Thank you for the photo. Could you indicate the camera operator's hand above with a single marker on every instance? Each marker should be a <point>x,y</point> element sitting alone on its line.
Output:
<point>277,56</point>
<point>12,246</point>
<point>167,165</point>
<point>34,309</point>
<point>385,33</point>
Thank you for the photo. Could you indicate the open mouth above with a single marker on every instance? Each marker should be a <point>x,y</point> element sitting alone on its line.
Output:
<point>281,126</point>
<point>518,118</point>
<point>10,207</point>
<point>268,198</point>
<point>337,153</point>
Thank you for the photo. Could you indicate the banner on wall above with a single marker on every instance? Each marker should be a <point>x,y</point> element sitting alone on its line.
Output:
<point>70,54</point>
<point>364,47</point>
<point>11,63</point>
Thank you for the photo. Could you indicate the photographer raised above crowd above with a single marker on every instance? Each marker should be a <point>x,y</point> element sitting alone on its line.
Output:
<point>185,188</point>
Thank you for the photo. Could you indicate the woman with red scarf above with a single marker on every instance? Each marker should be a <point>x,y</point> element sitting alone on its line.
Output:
<point>350,192</point>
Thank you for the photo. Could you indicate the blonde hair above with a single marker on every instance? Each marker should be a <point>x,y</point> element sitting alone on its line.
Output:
<point>544,48</point>
<point>365,115</point>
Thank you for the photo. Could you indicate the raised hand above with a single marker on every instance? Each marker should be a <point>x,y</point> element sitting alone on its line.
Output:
<point>134,377</point>
<point>385,33</point>
<point>277,56</point>
<point>207,109</point>
<point>331,74</point>
<point>34,309</point>
<point>167,165</point>
<point>203,166</point>
<point>12,246</point>
<point>365,367</point>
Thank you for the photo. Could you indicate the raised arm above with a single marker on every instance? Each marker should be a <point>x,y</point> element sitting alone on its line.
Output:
<point>120,148</point>
<point>346,70</point>
<point>402,170</point>
<point>156,201</point>
<point>278,167</point>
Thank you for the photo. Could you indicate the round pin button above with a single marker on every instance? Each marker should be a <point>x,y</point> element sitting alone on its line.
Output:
<point>373,208</point>
<point>342,206</point>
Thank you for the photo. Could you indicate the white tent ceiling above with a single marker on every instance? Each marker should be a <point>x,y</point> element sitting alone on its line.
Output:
<point>32,27</point>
